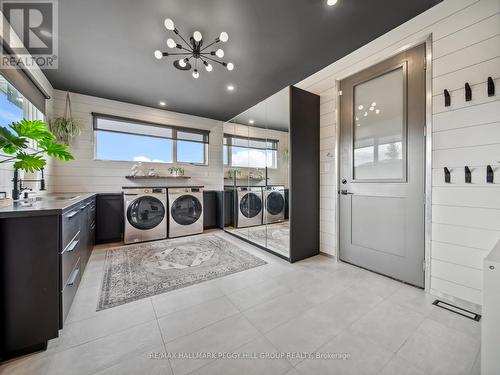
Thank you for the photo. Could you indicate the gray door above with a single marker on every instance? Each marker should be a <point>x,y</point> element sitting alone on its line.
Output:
<point>382,167</point>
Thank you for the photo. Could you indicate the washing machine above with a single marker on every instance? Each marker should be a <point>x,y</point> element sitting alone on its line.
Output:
<point>249,206</point>
<point>274,203</point>
<point>185,211</point>
<point>145,214</point>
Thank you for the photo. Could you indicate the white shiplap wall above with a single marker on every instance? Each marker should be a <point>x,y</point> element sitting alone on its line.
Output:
<point>466,218</point>
<point>85,174</point>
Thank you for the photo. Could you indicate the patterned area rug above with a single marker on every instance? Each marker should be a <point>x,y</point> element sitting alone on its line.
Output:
<point>143,270</point>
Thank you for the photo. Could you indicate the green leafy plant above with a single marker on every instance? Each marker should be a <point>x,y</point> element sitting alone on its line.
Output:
<point>65,129</point>
<point>17,143</point>
<point>176,171</point>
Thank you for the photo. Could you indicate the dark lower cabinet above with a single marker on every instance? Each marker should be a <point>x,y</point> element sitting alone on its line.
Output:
<point>109,218</point>
<point>42,259</point>
<point>29,284</point>
<point>209,209</point>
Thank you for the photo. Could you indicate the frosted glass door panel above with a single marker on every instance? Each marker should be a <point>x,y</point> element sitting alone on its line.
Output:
<point>379,151</point>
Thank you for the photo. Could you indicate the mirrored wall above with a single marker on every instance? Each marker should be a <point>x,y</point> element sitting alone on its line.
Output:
<point>256,174</point>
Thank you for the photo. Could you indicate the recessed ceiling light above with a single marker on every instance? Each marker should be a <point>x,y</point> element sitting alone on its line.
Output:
<point>331,2</point>
<point>230,87</point>
<point>162,103</point>
<point>251,122</point>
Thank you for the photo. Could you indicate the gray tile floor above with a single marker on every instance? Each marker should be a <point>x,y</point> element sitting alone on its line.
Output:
<point>315,306</point>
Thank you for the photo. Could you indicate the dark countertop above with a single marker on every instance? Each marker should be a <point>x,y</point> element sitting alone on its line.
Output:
<point>45,207</point>
<point>163,187</point>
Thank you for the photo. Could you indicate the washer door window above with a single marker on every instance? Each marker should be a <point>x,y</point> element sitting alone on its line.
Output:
<point>145,213</point>
<point>250,205</point>
<point>275,203</point>
<point>186,210</point>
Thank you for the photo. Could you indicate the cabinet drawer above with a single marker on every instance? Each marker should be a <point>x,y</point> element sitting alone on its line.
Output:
<point>70,288</point>
<point>69,256</point>
<point>70,225</point>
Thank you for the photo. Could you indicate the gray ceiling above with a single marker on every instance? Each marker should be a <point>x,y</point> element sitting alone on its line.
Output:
<point>106,47</point>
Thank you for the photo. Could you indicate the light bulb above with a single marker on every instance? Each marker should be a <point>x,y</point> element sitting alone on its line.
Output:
<point>197,36</point>
<point>372,108</point>
<point>171,43</point>
<point>230,66</point>
<point>209,67</point>
<point>219,53</point>
<point>163,104</point>
<point>169,24</point>
<point>182,63</point>
<point>251,122</point>
<point>374,104</point>
<point>195,73</point>
<point>223,37</point>
<point>331,2</point>
<point>366,114</point>
<point>230,87</point>
<point>360,107</point>
<point>158,54</point>
<point>377,111</point>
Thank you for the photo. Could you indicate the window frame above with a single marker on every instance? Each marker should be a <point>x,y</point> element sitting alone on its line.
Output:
<point>229,144</point>
<point>175,129</point>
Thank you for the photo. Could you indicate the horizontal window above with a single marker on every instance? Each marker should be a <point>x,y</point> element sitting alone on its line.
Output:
<point>120,139</point>
<point>250,152</point>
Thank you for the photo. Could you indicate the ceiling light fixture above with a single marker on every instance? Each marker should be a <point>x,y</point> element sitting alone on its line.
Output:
<point>251,122</point>
<point>230,87</point>
<point>331,2</point>
<point>163,104</point>
<point>193,53</point>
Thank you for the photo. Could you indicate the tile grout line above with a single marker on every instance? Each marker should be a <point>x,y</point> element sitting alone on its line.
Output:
<point>161,335</point>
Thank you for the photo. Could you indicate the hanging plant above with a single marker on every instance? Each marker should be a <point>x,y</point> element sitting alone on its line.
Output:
<point>65,128</point>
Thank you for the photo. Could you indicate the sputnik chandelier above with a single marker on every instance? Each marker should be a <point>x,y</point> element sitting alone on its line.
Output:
<point>193,53</point>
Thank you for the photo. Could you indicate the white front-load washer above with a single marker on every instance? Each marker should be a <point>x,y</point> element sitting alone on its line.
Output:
<point>274,203</point>
<point>185,211</point>
<point>145,214</point>
<point>249,206</point>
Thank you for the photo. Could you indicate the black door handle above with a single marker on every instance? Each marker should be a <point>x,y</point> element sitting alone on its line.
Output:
<point>345,192</point>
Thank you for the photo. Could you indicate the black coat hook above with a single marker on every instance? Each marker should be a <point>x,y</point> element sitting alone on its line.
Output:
<point>491,87</point>
<point>468,175</point>
<point>447,176</point>
<point>490,175</point>
<point>468,92</point>
<point>447,98</point>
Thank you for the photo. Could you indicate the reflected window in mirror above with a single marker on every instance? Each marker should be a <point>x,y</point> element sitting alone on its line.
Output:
<point>250,152</point>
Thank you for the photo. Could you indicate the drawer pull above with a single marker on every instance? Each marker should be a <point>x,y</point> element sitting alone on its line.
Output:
<point>72,214</point>
<point>72,246</point>
<point>72,278</point>
<point>71,243</point>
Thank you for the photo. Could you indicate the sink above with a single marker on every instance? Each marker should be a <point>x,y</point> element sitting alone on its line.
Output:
<point>57,198</point>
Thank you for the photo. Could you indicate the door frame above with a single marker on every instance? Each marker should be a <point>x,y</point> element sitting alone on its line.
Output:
<point>427,40</point>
